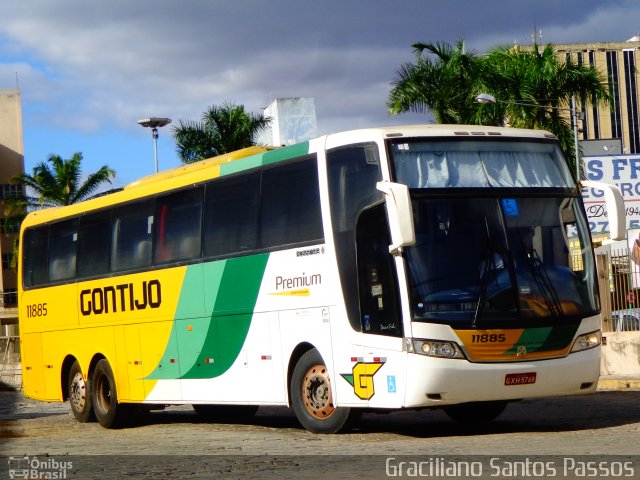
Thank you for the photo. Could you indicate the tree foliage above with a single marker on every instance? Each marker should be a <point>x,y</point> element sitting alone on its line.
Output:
<point>59,182</point>
<point>223,129</point>
<point>53,183</point>
<point>533,87</point>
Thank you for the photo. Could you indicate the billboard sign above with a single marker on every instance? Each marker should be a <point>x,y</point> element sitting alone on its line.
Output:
<point>622,171</point>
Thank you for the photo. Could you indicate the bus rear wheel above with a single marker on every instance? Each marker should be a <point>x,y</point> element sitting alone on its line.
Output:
<point>109,413</point>
<point>312,397</point>
<point>79,394</point>
<point>475,412</point>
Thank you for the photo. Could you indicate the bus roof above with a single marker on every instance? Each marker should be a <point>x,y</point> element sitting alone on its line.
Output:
<point>197,166</point>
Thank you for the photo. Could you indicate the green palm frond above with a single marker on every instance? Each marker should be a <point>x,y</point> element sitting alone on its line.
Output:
<point>222,129</point>
<point>55,183</point>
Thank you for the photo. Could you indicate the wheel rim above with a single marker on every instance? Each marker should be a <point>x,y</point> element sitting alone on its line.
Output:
<point>103,394</point>
<point>78,392</point>
<point>317,393</point>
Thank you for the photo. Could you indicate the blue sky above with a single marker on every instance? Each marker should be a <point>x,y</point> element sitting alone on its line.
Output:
<point>87,71</point>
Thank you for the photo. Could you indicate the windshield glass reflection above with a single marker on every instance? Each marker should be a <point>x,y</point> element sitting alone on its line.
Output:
<point>486,261</point>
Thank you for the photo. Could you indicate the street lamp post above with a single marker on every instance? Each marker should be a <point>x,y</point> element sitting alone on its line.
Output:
<point>154,123</point>
<point>487,98</point>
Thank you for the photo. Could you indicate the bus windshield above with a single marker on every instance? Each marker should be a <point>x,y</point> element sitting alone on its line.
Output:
<point>470,163</point>
<point>495,220</point>
<point>484,261</point>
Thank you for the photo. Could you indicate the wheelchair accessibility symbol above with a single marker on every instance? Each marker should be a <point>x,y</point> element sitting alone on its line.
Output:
<point>391,383</point>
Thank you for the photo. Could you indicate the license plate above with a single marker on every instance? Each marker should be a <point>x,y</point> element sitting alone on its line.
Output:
<point>520,378</point>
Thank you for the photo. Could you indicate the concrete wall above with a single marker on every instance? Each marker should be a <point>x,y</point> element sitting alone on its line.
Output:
<point>621,354</point>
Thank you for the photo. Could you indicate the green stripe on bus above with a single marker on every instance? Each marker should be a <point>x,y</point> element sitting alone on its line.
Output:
<point>559,337</point>
<point>231,317</point>
<point>211,345</point>
<point>266,158</point>
<point>545,339</point>
<point>532,338</point>
<point>297,150</point>
<point>241,164</point>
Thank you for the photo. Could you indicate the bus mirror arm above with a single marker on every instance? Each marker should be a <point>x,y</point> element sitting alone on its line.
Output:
<point>400,213</point>
<point>615,207</point>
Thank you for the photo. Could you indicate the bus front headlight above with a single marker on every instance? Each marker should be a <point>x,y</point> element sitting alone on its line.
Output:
<point>587,341</point>
<point>434,348</point>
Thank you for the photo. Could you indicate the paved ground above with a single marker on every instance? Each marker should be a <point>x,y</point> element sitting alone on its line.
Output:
<point>272,443</point>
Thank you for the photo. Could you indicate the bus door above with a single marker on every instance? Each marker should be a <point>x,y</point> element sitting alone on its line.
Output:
<point>378,289</point>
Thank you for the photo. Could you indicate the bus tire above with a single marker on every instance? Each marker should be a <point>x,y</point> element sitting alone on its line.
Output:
<point>475,412</point>
<point>109,413</point>
<point>312,392</point>
<point>79,394</point>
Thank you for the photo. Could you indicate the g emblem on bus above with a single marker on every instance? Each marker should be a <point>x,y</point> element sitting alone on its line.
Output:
<point>522,351</point>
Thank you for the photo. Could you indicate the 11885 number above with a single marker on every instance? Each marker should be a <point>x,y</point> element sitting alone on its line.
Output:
<point>37,310</point>
<point>489,338</point>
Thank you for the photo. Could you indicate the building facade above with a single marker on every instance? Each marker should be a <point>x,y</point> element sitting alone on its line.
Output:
<point>11,164</point>
<point>619,63</point>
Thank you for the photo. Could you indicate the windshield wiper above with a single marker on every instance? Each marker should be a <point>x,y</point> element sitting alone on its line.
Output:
<point>545,286</point>
<point>484,282</point>
<point>541,278</point>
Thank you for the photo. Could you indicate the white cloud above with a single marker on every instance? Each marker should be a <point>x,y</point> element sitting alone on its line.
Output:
<point>88,66</point>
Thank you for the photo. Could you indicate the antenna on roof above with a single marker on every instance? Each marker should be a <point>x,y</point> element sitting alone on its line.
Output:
<point>536,37</point>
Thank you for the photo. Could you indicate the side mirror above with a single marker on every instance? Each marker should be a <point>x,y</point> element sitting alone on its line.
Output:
<point>615,208</point>
<point>400,213</point>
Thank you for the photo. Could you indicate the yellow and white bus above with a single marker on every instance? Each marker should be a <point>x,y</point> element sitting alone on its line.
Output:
<point>399,267</point>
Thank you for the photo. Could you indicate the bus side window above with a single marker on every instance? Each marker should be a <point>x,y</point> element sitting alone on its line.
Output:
<point>94,243</point>
<point>62,250</point>
<point>231,215</point>
<point>34,251</point>
<point>132,231</point>
<point>290,204</point>
<point>179,222</point>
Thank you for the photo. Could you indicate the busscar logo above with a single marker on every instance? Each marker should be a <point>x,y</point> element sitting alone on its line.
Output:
<point>121,298</point>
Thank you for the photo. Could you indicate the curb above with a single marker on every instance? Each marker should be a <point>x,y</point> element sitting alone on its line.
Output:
<point>619,384</point>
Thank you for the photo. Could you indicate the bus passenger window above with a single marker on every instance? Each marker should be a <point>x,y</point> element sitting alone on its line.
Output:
<point>62,250</point>
<point>131,234</point>
<point>94,242</point>
<point>231,215</point>
<point>178,232</point>
<point>34,261</point>
<point>290,205</point>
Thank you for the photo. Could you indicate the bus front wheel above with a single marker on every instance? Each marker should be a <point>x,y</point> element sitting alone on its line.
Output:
<point>475,412</point>
<point>79,395</point>
<point>312,397</point>
<point>109,413</point>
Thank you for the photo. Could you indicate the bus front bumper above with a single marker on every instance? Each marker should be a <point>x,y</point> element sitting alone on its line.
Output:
<point>436,381</point>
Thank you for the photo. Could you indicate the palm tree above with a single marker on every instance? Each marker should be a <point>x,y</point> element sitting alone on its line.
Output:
<point>223,129</point>
<point>57,182</point>
<point>442,81</point>
<point>534,88</point>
